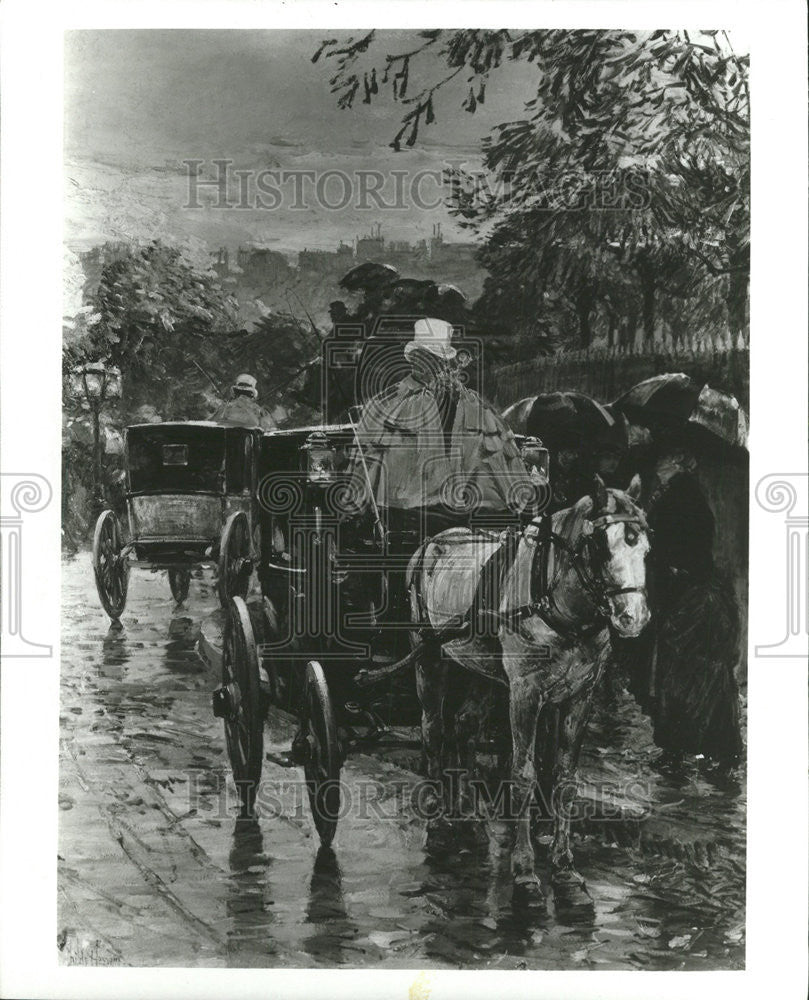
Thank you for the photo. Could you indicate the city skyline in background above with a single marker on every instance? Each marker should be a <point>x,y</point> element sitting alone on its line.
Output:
<point>137,104</point>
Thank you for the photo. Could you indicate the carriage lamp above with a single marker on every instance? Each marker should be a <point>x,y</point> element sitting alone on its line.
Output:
<point>320,458</point>
<point>535,455</point>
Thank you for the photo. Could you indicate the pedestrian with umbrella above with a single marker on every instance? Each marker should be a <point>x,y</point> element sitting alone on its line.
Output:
<point>683,669</point>
<point>582,437</point>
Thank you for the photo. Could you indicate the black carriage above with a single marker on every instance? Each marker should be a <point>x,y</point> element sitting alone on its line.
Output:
<point>190,498</point>
<point>332,624</point>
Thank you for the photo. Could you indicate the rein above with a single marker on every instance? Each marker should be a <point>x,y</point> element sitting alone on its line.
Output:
<point>543,603</point>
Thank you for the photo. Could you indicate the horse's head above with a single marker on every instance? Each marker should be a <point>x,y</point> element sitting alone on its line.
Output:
<point>618,545</point>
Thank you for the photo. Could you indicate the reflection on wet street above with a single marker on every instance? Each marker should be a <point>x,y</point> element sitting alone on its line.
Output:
<point>156,869</point>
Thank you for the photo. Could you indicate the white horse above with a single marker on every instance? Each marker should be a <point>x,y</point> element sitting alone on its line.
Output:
<point>554,598</point>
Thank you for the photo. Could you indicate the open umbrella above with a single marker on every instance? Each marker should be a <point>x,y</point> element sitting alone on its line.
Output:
<point>634,435</point>
<point>410,293</point>
<point>668,398</point>
<point>447,291</point>
<point>720,415</point>
<point>516,415</point>
<point>368,275</point>
<point>675,403</point>
<point>573,419</point>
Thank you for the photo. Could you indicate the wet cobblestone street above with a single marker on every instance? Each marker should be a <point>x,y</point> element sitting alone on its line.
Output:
<point>155,868</point>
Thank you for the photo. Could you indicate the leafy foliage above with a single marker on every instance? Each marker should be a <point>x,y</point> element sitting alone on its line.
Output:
<point>281,350</point>
<point>153,314</point>
<point>621,186</point>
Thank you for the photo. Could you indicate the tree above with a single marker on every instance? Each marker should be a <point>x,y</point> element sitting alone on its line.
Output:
<point>153,313</point>
<point>282,351</point>
<point>661,118</point>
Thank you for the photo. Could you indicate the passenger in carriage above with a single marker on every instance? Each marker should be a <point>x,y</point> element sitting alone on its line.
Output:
<point>244,408</point>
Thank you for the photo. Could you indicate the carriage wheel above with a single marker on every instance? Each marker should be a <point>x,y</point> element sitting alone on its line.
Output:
<point>244,717</point>
<point>235,564</point>
<point>179,581</point>
<point>110,564</point>
<point>323,755</point>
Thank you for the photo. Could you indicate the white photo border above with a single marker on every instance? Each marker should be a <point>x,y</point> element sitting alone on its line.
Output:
<point>30,442</point>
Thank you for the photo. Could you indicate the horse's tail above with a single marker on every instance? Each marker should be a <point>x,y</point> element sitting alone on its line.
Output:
<point>413,578</point>
<point>414,566</point>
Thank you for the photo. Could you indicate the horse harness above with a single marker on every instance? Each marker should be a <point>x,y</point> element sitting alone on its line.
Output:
<point>542,602</point>
<point>485,613</point>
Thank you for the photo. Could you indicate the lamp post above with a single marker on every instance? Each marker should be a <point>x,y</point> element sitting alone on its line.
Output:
<point>97,383</point>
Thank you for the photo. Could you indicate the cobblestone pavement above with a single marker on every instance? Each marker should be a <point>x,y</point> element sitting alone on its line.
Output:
<point>155,869</point>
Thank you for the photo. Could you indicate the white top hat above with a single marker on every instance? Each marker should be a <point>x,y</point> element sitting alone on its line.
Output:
<point>246,383</point>
<point>433,335</point>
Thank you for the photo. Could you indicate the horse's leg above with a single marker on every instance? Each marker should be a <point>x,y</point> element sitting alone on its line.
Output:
<point>430,683</point>
<point>547,742</point>
<point>525,701</point>
<point>571,732</point>
<point>468,728</point>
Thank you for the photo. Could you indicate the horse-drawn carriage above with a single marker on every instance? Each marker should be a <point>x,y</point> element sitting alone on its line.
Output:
<point>349,602</point>
<point>190,497</point>
<point>350,599</point>
<point>331,599</point>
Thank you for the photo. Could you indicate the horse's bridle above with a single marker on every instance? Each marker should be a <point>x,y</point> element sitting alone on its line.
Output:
<point>542,601</point>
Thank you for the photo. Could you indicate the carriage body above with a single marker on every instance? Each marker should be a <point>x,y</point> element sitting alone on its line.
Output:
<point>330,581</point>
<point>183,482</point>
<point>190,497</point>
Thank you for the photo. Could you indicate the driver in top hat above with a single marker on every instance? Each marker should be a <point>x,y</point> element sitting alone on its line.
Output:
<point>244,408</point>
<point>430,443</point>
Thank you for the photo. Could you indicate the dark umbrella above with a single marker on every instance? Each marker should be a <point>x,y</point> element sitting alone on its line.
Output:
<point>368,275</point>
<point>409,294</point>
<point>675,403</point>
<point>451,293</point>
<point>574,419</point>
<point>410,286</point>
<point>449,303</point>
<point>635,435</point>
<point>516,415</point>
<point>667,399</point>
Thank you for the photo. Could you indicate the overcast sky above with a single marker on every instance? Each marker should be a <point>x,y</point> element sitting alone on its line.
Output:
<point>138,103</point>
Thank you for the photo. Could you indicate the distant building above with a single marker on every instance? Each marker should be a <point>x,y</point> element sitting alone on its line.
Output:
<point>264,279</point>
<point>371,247</point>
<point>261,267</point>
<point>221,262</point>
<point>326,261</point>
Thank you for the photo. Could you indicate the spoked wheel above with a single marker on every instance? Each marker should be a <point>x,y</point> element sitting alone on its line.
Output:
<point>322,753</point>
<point>241,703</point>
<point>110,564</point>
<point>235,564</point>
<point>179,581</point>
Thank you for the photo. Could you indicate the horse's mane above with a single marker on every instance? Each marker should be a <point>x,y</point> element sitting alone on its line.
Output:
<point>572,519</point>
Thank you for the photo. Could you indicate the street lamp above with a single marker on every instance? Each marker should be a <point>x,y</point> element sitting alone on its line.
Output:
<point>97,383</point>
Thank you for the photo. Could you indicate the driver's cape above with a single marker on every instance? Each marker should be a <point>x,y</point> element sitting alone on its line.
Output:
<point>244,412</point>
<point>419,453</point>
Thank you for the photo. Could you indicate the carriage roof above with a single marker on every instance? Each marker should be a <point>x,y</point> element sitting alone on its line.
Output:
<point>221,425</point>
<point>309,429</point>
<point>282,432</point>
